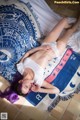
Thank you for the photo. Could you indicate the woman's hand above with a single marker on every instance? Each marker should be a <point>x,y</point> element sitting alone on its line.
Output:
<point>35,88</point>
<point>46,47</point>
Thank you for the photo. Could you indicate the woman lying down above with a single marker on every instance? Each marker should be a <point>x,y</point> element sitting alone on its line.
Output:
<point>33,63</point>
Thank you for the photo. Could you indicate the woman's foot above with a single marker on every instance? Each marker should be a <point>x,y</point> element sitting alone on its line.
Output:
<point>76,25</point>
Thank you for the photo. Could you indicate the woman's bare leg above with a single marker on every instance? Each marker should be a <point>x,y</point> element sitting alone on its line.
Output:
<point>55,33</point>
<point>62,42</point>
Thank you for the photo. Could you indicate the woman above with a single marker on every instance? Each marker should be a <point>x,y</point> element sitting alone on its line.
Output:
<point>33,63</point>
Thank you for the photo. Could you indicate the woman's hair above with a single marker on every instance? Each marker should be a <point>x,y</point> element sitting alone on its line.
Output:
<point>11,93</point>
<point>16,87</point>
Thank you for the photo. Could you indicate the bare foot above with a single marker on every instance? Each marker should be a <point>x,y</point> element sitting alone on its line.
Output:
<point>76,25</point>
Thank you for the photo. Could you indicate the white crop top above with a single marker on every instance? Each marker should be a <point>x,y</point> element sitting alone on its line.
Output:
<point>37,69</point>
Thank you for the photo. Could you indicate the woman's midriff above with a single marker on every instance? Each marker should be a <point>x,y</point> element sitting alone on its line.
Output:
<point>42,57</point>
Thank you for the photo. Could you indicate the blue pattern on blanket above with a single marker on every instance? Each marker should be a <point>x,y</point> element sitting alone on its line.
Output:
<point>18,34</point>
<point>64,79</point>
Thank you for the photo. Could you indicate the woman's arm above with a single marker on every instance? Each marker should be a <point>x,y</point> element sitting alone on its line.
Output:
<point>47,85</point>
<point>54,90</point>
<point>48,88</point>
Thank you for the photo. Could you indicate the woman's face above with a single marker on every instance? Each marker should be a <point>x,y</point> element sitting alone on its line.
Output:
<point>26,82</point>
<point>26,85</point>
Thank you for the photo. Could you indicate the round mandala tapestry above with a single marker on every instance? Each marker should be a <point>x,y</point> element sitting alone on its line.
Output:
<point>18,33</point>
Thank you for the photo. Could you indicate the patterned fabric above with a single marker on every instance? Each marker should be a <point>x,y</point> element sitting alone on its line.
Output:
<point>65,76</point>
<point>19,31</point>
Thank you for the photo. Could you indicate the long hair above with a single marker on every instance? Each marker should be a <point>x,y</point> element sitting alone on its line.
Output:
<point>15,85</point>
<point>11,93</point>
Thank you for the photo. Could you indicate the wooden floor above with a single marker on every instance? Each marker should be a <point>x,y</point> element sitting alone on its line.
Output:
<point>65,110</point>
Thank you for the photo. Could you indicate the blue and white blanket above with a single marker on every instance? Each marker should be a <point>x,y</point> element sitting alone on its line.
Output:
<point>19,32</point>
<point>65,74</point>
